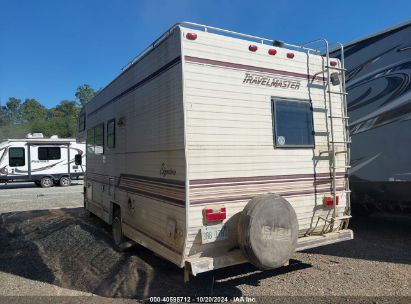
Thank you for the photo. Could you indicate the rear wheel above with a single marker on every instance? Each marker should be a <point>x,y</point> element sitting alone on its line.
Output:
<point>65,181</point>
<point>37,183</point>
<point>46,182</point>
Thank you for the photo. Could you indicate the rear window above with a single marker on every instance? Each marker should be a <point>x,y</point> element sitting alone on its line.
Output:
<point>292,123</point>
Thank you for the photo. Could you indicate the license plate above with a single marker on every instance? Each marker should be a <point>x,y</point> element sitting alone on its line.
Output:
<point>213,233</point>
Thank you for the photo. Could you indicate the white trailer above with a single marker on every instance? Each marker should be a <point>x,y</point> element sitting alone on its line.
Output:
<point>45,161</point>
<point>214,148</point>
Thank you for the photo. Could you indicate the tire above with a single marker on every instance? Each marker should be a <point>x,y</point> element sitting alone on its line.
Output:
<point>117,231</point>
<point>37,183</point>
<point>46,182</point>
<point>65,181</point>
<point>268,231</point>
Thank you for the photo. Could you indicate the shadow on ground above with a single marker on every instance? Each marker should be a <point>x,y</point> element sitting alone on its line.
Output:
<point>65,248</point>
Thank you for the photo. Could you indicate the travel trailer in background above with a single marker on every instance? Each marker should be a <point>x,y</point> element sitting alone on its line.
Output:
<point>378,82</point>
<point>45,161</point>
<point>214,148</point>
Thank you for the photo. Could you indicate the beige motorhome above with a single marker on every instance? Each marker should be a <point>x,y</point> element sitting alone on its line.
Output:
<point>214,148</point>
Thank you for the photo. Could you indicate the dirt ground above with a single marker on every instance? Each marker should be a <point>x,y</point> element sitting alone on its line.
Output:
<point>64,252</point>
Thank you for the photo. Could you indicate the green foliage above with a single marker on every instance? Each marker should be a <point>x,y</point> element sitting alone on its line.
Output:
<point>32,110</point>
<point>13,131</point>
<point>84,94</point>
<point>11,112</point>
<point>17,119</point>
<point>13,107</point>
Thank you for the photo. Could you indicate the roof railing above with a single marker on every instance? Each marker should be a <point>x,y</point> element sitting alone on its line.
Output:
<point>207,28</point>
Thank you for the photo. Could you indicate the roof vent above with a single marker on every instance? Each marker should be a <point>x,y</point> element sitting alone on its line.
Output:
<point>278,43</point>
<point>34,135</point>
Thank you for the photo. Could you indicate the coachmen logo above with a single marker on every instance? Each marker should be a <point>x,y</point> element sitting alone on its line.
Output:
<point>164,171</point>
<point>268,81</point>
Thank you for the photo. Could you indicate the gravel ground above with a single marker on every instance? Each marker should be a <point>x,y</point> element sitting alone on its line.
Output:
<point>63,252</point>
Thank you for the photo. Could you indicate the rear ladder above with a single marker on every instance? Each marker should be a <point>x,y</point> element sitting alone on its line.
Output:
<point>330,119</point>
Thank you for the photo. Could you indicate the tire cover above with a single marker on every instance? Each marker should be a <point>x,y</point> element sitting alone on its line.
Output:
<point>268,231</point>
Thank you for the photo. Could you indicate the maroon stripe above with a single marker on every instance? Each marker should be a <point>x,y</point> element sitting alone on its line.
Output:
<point>252,68</point>
<point>315,181</point>
<point>247,197</point>
<point>260,178</point>
<point>161,198</point>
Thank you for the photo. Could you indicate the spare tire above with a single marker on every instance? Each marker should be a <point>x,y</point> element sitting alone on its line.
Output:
<point>268,231</point>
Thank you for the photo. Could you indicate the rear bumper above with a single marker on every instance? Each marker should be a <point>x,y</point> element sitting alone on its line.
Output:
<point>203,264</point>
<point>326,239</point>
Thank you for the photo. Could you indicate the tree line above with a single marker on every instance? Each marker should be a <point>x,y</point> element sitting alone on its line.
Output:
<point>17,117</point>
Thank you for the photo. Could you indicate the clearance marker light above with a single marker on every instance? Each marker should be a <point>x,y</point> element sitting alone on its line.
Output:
<point>333,63</point>
<point>214,215</point>
<point>290,55</point>
<point>191,36</point>
<point>252,48</point>
<point>272,51</point>
<point>328,201</point>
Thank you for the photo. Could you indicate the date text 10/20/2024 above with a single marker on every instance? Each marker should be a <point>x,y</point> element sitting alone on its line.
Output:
<point>200,299</point>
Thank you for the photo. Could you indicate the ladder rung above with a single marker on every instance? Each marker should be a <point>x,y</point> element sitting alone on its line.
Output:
<point>322,110</point>
<point>337,152</point>
<point>343,167</point>
<point>344,217</point>
<point>335,68</point>
<point>341,142</point>
<point>342,117</point>
<point>320,133</point>
<point>335,92</point>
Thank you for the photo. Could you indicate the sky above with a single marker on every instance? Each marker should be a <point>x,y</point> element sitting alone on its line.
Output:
<point>50,47</point>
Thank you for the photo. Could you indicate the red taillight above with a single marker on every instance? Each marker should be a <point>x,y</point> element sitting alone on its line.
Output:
<point>333,63</point>
<point>252,48</point>
<point>191,36</point>
<point>328,201</point>
<point>272,51</point>
<point>290,55</point>
<point>214,215</point>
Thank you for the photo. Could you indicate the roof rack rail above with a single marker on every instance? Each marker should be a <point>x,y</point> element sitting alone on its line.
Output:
<point>207,28</point>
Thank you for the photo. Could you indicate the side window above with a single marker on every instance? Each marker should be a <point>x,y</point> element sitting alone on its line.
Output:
<point>82,122</point>
<point>49,153</point>
<point>17,157</point>
<point>111,133</point>
<point>90,141</point>
<point>292,123</point>
<point>99,139</point>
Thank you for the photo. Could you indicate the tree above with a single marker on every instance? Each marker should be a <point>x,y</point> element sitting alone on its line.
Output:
<point>67,108</point>
<point>13,110</point>
<point>84,94</point>
<point>4,119</point>
<point>32,110</point>
<point>61,120</point>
